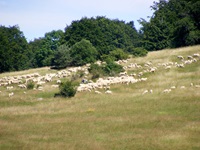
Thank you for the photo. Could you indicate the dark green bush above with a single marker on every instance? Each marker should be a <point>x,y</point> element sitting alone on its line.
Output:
<point>118,54</point>
<point>138,52</point>
<point>30,85</point>
<point>112,69</point>
<point>67,89</point>
<point>83,52</point>
<point>109,69</point>
<point>95,70</point>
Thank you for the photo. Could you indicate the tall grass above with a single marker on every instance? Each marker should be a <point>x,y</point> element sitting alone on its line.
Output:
<point>124,120</point>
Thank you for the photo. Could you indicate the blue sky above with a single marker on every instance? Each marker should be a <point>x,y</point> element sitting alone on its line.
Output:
<point>37,17</point>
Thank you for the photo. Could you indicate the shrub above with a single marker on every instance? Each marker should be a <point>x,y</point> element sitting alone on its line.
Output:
<point>112,69</point>
<point>95,70</point>
<point>83,52</point>
<point>67,89</point>
<point>138,52</point>
<point>118,54</point>
<point>30,85</point>
<point>61,58</point>
<point>109,69</point>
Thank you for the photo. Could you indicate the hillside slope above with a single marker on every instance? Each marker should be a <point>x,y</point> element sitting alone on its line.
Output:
<point>159,113</point>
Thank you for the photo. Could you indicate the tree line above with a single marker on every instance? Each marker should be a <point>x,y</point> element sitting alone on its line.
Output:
<point>174,23</point>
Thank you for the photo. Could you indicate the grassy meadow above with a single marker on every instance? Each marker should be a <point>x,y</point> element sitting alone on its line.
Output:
<point>126,119</point>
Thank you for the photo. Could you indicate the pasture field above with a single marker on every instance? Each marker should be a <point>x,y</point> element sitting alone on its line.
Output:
<point>124,120</point>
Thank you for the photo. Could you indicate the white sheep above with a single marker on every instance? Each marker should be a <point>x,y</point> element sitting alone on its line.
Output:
<point>173,87</point>
<point>22,86</point>
<point>168,67</point>
<point>146,91</point>
<point>196,55</point>
<point>180,57</point>
<point>97,92</point>
<point>9,87</point>
<point>197,86</point>
<point>167,91</point>
<point>10,94</point>
<point>182,87</point>
<point>58,81</point>
<point>54,85</point>
<point>108,92</point>
<point>189,57</point>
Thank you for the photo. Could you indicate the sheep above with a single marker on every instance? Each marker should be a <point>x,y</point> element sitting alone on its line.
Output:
<point>168,67</point>
<point>196,55</point>
<point>40,88</point>
<point>189,57</point>
<point>9,87</point>
<point>22,86</point>
<point>180,57</point>
<point>197,86</point>
<point>151,91</point>
<point>182,87</point>
<point>108,92</point>
<point>54,86</point>
<point>146,91</point>
<point>167,91</point>
<point>10,94</point>
<point>153,69</point>
<point>173,87</point>
<point>97,92</point>
<point>58,81</point>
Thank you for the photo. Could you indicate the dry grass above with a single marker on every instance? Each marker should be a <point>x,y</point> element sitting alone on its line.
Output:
<point>124,120</point>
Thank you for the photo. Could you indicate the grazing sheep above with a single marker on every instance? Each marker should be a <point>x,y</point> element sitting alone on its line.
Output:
<point>173,87</point>
<point>146,91</point>
<point>10,94</point>
<point>22,86</point>
<point>97,92</point>
<point>190,57</point>
<point>182,87</point>
<point>180,57</point>
<point>167,91</point>
<point>168,67</point>
<point>196,55</point>
<point>54,85</point>
<point>9,87</point>
<point>40,88</point>
<point>108,92</point>
<point>58,81</point>
<point>153,69</point>
<point>197,86</point>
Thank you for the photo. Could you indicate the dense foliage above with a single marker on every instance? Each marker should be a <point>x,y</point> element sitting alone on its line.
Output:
<point>61,58</point>
<point>110,68</point>
<point>83,52</point>
<point>14,50</point>
<point>104,34</point>
<point>44,48</point>
<point>175,23</point>
<point>67,89</point>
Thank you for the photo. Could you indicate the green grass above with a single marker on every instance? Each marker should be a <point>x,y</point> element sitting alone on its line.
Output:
<point>124,120</point>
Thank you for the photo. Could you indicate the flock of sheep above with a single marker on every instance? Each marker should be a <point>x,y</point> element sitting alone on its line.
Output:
<point>20,81</point>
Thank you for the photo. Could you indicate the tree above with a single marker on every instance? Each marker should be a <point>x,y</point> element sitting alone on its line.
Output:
<point>104,34</point>
<point>173,24</point>
<point>83,52</point>
<point>118,54</point>
<point>14,50</point>
<point>45,47</point>
<point>62,57</point>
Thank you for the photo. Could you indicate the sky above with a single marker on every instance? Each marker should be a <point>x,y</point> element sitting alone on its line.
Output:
<point>37,17</point>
